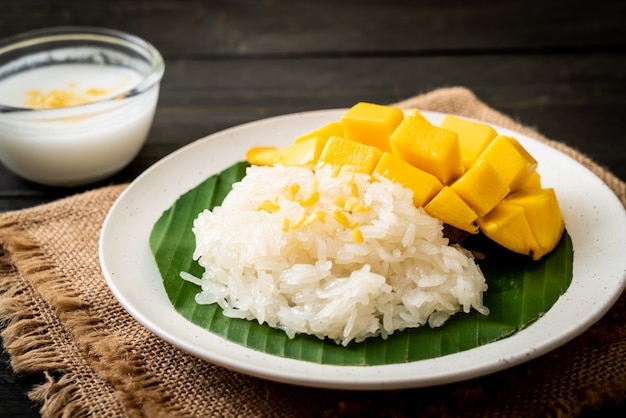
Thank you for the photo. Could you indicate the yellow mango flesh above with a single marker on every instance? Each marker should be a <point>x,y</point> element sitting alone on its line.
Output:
<point>414,113</point>
<point>507,225</point>
<point>424,185</point>
<point>304,153</point>
<point>542,211</point>
<point>512,162</point>
<point>473,137</point>
<point>481,188</point>
<point>324,132</point>
<point>430,148</point>
<point>448,207</point>
<point>532,182</point>
<point>371,124</point>
<point>340,151</point>
<point>262,155</point>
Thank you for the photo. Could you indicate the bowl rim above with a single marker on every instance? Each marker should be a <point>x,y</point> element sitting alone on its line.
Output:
<point>102,34</point>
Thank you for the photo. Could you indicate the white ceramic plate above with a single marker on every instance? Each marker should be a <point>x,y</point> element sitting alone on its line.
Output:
<point>593,216</point>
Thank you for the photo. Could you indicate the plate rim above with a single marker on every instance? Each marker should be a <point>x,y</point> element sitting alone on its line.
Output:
<point>327,376</point>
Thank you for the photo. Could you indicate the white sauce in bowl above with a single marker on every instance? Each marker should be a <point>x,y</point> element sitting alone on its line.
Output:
<point>76,135</point>
<point>66,85</point>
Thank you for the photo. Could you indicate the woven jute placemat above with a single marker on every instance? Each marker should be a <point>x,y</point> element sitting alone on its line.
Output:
<point>62,321</point>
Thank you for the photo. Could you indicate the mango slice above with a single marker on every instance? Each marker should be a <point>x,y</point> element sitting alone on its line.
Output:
<point>512,162</point>
<point>542,211</point>
<point>448,207</point>
<point>473,137</point>
<point>371,124</point>
<point>430,148</point>
<point>324,132</point>
<point>262,155</point>
<point>481,187</point>
<point>507,225</point>
<point>340,151</point>
<point>304,153</point>
<point>424,185</point>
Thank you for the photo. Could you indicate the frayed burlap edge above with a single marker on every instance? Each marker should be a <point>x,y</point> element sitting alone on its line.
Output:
<point>49,329</point>
<point>28,321</point>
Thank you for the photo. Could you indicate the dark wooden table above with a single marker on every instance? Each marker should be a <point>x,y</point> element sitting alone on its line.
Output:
<point>557,66</point>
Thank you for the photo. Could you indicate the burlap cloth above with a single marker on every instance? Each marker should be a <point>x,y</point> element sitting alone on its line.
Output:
<point>61,320</point>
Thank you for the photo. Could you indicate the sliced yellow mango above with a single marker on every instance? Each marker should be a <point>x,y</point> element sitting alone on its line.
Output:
<point>324,132</point>
<point>340,151</point>
<point>304,153</point>
<point>512,162</point>
<point>448,207</point>
<point>532,182</point>
<point>262,155</point>
<point>473,136</point>
<point>542,211</point>
<point>424,185</point>
<point>481,187</point>
<point>427,147</point>
<point>371,124</point>
<point>507,225</point>
<point>414,113</point>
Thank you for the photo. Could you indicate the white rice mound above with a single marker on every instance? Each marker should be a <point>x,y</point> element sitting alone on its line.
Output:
<point>279,251</point>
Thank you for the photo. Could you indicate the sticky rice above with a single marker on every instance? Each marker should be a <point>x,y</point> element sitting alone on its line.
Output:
<point>335,254</point>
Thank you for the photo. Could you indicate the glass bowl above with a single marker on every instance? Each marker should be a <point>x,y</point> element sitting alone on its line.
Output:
<point>76,103</point>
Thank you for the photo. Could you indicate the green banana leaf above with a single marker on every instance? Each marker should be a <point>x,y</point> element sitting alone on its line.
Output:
<point>520,291</point>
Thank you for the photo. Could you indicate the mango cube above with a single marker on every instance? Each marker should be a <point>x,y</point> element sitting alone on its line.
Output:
<point>481,187</point>
<point>510,159</point>
<point>424,185</point>
<point>371,124</point>
<point>340,151</point>
<point>324,132</point>
<point>542,211</point>
<point>427,147</point>
<point>507,225</point>
<point>473,136</point>
<point>532,182</point>
<point>448,207</point>
<point>414,113</point>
